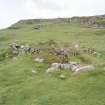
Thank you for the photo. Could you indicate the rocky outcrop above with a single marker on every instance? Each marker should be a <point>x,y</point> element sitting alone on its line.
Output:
<point>91,21</point>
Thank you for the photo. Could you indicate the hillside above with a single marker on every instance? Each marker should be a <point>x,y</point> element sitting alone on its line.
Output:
<point>25,82</point>
<point>92,21</point>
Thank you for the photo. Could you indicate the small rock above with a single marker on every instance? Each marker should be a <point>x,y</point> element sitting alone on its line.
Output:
<point>62,77</point>
<point>73,63</point>
<point>34,71</point>
<point>39,60</point>
<point>22,46</point>
<point>52,69</point>
<point>66,66</point>
<point>14,58</point>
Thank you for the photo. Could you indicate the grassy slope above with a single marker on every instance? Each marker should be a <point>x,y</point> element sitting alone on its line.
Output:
<point>58,32</point>
<point>19,86</point>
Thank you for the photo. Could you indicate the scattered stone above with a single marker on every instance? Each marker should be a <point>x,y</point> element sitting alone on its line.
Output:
<point>22,46</point>
<point>63,53</point>
<point>63,77</point>
<point>27,48</point>
<point>85,68</point>
<point>74,63</point>
<point>75,67</point>
<point>77,46</point>
<point>66,66</point>
<point>56,65</point>
<point>22,50</point>
<point>14,58</point>
<point>39,60</point>
<point>15,47</point>
<point>52,69</point>
<point>34,50</point>
<point>18,49</point>
<point>34,71</point>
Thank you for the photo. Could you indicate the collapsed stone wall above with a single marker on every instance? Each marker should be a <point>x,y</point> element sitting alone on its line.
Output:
<point>20,49</point>
<point>74,50</point>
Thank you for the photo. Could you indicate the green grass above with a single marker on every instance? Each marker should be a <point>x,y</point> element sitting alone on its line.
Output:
<point>19,86</point>
<point>62,33</point>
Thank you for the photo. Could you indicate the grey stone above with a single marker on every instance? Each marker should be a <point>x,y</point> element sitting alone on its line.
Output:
<point>15,52</point>
<point>56,65</point>
<point>85,68</point>
<point>66,66</point>
<point>39,60</point>
<point>52,69</point>
<point>62,77</point>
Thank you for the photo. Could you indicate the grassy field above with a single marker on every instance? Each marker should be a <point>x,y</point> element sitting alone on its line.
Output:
<point>20,86</point>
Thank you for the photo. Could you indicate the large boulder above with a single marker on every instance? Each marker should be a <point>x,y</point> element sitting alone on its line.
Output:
<point>62,77</point>
<point>59,66</point>
<point>85,68</point>
<point>15,48</point>
<point>54,67</point>
<point>22,50</point>
<point>66,66</point>
<point>74,65</point>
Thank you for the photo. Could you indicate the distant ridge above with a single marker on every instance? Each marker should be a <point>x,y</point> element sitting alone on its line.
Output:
<point>96,21</point>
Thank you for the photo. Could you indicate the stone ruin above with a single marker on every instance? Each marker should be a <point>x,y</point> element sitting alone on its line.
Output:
<point>72,50</point>
<point>20,49</point>
<point>73,66</point>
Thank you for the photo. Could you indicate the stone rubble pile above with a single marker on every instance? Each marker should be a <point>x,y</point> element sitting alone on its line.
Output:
<point>18,49</point>
<point>22,49</point>
<point>73,66</point>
